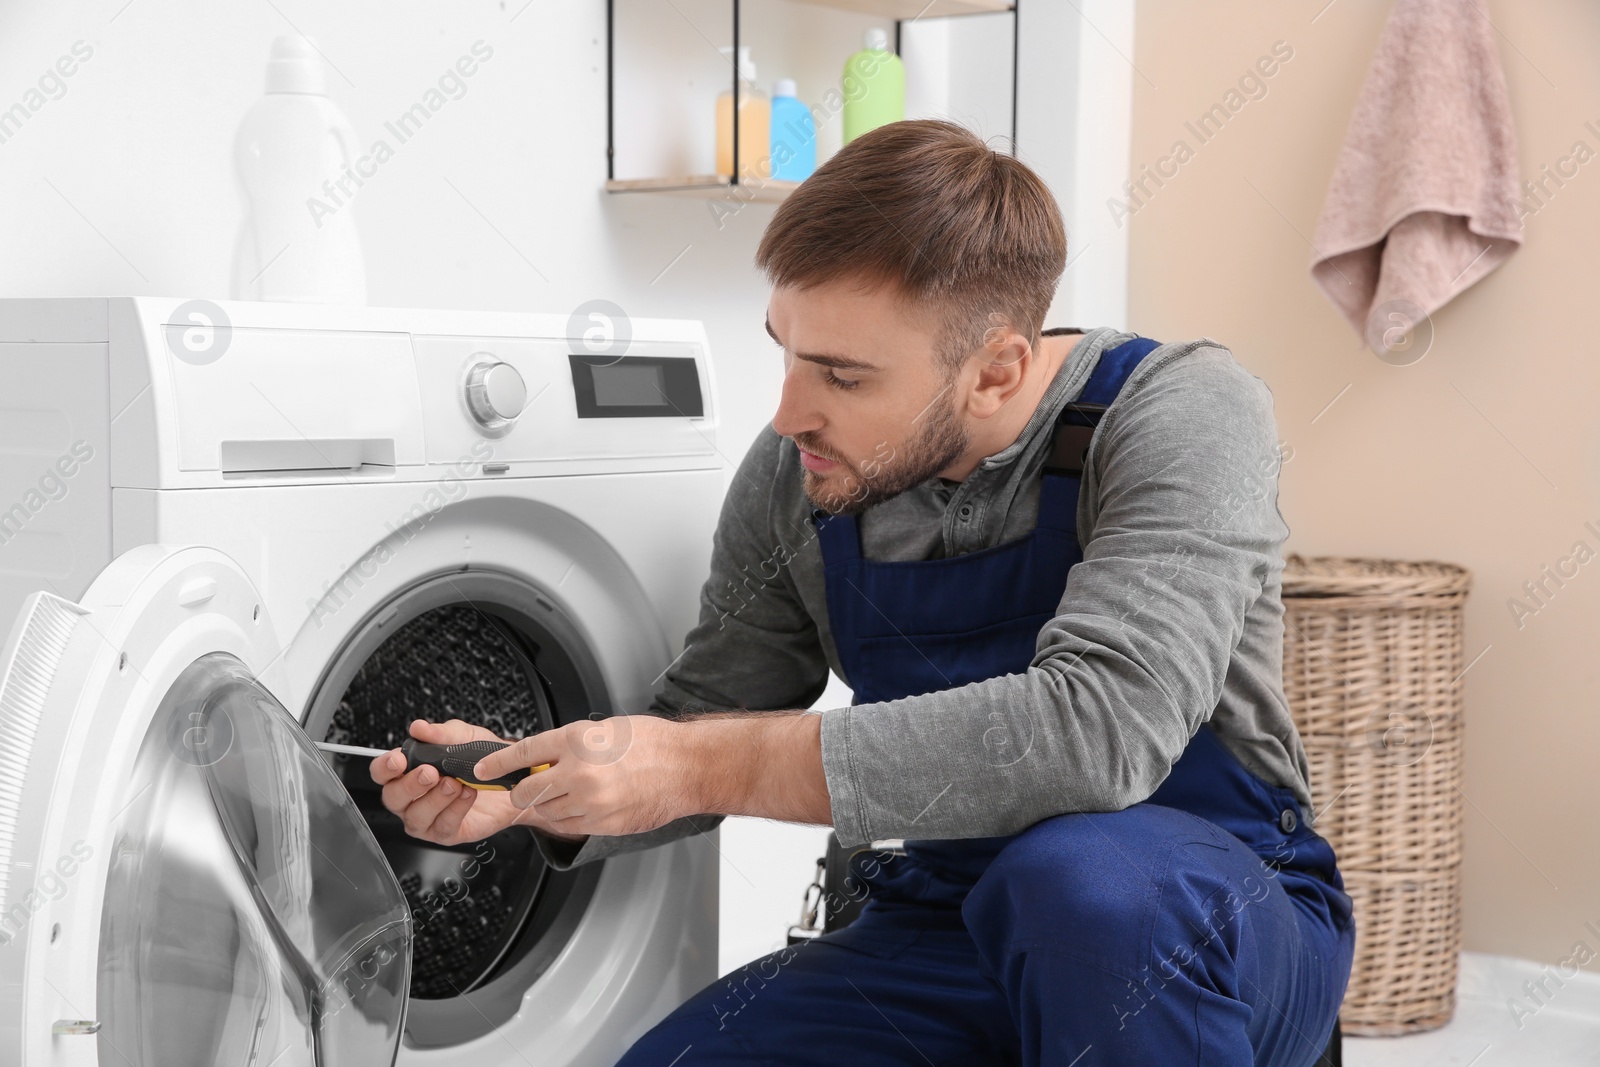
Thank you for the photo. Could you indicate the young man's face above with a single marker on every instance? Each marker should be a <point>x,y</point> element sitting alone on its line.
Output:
<point>865,396</point>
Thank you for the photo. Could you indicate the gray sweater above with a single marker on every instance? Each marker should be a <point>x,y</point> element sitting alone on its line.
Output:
<point>1172,621</point>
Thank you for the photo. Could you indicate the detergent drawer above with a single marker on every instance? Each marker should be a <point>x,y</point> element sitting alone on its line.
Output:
<point>299,400</point>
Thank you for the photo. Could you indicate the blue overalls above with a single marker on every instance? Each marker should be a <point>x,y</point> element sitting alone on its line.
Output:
<point>1206,925</point>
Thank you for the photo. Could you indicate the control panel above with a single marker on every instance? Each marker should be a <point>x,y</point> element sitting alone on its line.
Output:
<point>545,403</point>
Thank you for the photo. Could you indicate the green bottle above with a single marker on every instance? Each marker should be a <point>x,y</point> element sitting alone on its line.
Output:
<point>874,87</point>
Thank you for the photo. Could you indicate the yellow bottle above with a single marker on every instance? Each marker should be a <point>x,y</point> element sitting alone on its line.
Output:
<point>755,123</point>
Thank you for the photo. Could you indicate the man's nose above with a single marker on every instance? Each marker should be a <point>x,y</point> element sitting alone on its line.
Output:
<point>796,413</point>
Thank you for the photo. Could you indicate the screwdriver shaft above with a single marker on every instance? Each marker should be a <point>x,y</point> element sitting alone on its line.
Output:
<point>351,750</point>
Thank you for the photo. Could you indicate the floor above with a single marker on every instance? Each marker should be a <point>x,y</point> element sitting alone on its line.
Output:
<point>1564,1031</point>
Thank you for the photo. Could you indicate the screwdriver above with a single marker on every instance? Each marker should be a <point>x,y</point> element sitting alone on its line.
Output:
<point>455,761</point>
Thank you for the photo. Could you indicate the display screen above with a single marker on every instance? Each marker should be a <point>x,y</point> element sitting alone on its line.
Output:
<point>611,387</point>
<point>629,385</point>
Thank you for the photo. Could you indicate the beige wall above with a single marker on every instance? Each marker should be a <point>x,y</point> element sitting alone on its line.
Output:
<point>1483,453</point>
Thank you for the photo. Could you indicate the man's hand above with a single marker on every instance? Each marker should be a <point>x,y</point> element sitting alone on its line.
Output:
<point>443,810</point>
<point>621,775</point>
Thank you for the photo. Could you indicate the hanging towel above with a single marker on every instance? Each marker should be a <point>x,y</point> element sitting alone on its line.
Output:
<point>1423,201</point>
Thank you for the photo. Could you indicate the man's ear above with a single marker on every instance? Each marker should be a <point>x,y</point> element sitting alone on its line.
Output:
<point>999,367</point>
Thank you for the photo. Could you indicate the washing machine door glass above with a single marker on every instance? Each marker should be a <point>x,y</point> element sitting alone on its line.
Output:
<point>249,917</point>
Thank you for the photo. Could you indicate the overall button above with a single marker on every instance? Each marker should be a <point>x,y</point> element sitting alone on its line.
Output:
<point>1288,820</point>
<point>965,511</point>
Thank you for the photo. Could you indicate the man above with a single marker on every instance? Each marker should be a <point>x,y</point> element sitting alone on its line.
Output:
<point>1069,704</point>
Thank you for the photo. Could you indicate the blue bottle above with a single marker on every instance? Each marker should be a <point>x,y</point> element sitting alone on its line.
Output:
<point>794,136</point>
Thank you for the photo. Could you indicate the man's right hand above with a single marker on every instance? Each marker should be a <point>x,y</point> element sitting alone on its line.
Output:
<point>441,809</point>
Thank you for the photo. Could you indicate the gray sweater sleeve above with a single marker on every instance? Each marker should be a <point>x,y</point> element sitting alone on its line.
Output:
<point>753,631</point>
<point>1136,657</point>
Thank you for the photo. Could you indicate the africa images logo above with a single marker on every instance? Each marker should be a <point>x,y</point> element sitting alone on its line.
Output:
<point>198,332</point>
<point>601,328</point>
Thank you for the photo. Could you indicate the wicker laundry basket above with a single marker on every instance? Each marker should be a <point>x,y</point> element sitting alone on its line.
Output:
<point>1372,662</point>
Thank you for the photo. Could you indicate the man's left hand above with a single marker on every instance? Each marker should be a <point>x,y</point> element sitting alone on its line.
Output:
<point>620,775</point>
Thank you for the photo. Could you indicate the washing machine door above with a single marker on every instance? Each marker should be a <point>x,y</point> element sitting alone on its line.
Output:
<point>183,879</point>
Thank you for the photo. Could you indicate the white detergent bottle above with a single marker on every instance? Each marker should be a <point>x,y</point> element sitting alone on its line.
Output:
<point>295,153</point>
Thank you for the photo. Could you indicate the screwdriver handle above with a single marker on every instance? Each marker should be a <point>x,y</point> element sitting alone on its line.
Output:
<point>457,761</point>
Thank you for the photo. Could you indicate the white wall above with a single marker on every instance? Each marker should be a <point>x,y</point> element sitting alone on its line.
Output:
<point>1074,117</point>
<point>122,183</point>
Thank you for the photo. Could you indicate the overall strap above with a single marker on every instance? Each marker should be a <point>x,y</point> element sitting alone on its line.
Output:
<point>1075,428</point>
<point>838,535</point>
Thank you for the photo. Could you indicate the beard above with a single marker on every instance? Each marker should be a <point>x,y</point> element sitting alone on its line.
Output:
<point>889,471</point>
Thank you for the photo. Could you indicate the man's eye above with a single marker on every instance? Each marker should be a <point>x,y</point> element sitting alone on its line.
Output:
<point>840,383</point>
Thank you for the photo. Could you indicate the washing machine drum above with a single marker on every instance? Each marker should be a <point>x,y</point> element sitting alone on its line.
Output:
<point>183,878</point>
<point>456,661</point>
<point>490,916</point>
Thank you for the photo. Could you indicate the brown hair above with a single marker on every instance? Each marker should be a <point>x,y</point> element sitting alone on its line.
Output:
<point>927,207</point>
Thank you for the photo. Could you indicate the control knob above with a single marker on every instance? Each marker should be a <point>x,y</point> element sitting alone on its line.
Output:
<point>496,394</point>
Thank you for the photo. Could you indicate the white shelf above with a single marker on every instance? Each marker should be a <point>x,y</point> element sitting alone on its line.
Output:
<point>911,9</point>
<point>766,190</point>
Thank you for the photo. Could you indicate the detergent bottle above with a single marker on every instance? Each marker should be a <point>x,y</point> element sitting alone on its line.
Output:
<point>755,116</point>
<point>794,134</point>
<point>874,85</point>
<point>294,154</point>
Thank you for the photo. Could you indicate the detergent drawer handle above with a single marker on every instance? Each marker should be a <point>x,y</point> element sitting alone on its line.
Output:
<point>75,1026</point>
<point>306,454</point>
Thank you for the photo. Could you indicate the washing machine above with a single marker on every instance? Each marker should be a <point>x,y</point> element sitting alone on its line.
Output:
<point>230,528</point>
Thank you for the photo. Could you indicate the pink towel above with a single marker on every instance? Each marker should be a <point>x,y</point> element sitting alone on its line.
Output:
<point>1423,201</point>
